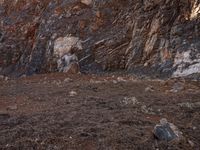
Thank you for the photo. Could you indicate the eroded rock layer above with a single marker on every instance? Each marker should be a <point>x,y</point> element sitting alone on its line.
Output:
<point>154,37</point>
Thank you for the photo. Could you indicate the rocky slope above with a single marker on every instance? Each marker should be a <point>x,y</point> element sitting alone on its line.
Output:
<point>153,37</point>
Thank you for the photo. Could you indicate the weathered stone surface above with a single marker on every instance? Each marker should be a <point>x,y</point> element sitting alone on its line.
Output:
<point>187,63</point>
<point>69,64</point>
<point>154,37</point>
<point>167,131</point>
<point>64,45</point>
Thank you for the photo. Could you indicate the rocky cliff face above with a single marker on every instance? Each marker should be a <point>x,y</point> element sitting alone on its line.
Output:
<point>154,37</point>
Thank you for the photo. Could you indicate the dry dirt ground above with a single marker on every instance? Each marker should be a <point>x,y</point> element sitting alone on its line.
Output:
<point>88,112</point>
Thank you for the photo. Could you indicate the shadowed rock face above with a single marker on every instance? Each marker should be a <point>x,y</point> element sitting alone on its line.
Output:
<point>153,37</point>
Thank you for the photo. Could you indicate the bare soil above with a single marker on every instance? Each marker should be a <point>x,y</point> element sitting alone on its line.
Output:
<point>89,112</point>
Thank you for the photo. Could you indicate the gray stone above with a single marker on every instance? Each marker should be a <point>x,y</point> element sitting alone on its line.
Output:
<point>166,131</point>
<point>68,63</point>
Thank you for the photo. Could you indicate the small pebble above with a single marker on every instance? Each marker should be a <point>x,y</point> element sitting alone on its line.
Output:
<point>72,93</point>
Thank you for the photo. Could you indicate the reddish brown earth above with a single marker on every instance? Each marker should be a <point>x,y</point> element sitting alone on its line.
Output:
<point>38,112</point>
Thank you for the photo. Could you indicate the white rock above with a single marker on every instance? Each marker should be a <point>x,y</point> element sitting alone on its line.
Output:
<point>134,100</point>
<point>121,79</point>
<point>114,81</point>
<point>86,2</point>
<point>130,101</point>
<point>147,110</point>
<point>182,60</point>
<point>72,93</point>
<point>68,80</point>
<point>149,89</point>
<point>63,45</point>
<point>96,81</point>
<point>146,64</point>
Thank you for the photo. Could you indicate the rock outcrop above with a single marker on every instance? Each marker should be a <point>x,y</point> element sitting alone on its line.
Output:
<point>153,37</point>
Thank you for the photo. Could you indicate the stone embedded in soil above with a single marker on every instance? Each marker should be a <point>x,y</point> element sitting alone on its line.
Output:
<point>68,80</point>
<point>166,131</point>
<point>114,81</point>
<point>121,79</point>
<point>72,93</point>
<point>130,101</point>
<point>147,110</point>
<point>149,89</point>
